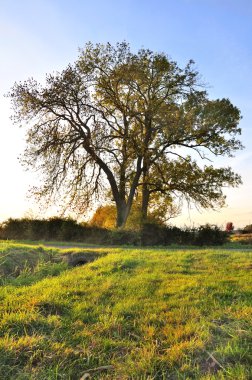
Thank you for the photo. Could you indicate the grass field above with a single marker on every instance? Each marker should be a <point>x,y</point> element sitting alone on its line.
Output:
<point>130,314</point>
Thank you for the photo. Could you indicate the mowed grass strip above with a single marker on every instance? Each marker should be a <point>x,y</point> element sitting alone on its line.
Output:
<point>133,314</point>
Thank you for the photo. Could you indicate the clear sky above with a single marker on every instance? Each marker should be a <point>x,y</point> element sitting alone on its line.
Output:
<point>42,36</point>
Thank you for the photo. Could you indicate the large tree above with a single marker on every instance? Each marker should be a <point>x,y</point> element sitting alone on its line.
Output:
<point>116,123</point>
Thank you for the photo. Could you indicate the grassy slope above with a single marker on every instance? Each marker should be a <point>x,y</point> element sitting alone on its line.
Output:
<point>150,313</point>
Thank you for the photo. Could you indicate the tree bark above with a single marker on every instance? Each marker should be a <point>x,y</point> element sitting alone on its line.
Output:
<point>123,207</point>
<point>146,167</point>
<point>145,202</point>
<point>121,214</point>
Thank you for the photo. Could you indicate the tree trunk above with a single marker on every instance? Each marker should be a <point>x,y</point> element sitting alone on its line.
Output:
<point>123,207</point>
<point>145,203</point>
<point>146,167</point>
<point>121,214</point>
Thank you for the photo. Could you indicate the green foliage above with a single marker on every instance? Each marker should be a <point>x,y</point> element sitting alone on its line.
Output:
<point>153,234</point>
<point>210,235</point>
<point>51,229</point>
<point>247,229</point>
<point>145,313</point>
<point>117,123</point>
<point>147,234</point>
<point>124,237</point>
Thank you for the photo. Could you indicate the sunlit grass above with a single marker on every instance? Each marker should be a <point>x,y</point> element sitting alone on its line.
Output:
<point>141,313</point>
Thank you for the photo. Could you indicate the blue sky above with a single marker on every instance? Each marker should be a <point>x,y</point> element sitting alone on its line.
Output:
<point>42,36</point>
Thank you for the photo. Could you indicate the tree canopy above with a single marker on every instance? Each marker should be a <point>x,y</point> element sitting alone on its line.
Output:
<point>116,124</point>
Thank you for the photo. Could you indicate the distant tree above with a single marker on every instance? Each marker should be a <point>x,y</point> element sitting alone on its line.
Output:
<point>247,229</point>
<point>119,123</point>
<point>104,216</point>
<point>229,227</point>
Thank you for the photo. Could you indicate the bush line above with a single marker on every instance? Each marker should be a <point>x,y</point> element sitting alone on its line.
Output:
<point>66,229</point>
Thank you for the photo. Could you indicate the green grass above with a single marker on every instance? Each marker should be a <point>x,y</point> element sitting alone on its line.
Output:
<point>145,313</point>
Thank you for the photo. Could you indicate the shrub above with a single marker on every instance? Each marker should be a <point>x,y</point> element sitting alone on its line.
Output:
<point>124,237</point>
<point>247,229</point>
<point>67,229</point>
<point>175,235</point>
<point>14,229</point>
<point>41,229</point>
<point>152,234</point>
<point>210,235</point>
